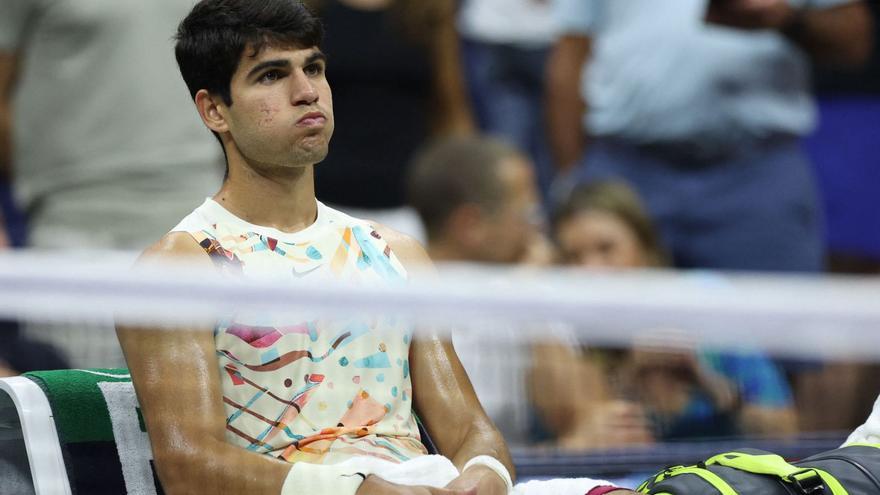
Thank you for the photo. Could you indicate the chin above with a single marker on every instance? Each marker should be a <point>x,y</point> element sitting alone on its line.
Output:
<point>310,155</point>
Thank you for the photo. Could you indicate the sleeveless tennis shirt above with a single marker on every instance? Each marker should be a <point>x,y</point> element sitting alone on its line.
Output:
<point>316,389</point>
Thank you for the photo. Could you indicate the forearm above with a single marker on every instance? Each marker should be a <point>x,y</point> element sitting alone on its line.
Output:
<point>451,105</point>
<point>564,387</point>
<point>445,399</point>
<point>839,36</point>
<point>482,438</point>
<point>565,107</point>
<point>722,392</point>
<point>218,467</point>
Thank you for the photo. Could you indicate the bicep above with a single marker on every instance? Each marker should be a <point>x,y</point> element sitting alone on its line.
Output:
<point>176,370</point>
<point>176,375</point>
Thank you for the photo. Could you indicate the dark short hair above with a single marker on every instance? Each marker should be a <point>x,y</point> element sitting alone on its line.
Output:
<point>618,199</point>
<point>451,172</point>
<point>212,38</point>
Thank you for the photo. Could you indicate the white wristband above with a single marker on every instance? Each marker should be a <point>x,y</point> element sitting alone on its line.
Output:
<point>493,464</point>
<point>319,479</point>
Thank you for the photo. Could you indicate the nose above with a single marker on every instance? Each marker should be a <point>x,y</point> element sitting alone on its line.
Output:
<point>303,91</point>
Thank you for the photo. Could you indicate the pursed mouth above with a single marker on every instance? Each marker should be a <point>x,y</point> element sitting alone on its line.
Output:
<point>312,119</point>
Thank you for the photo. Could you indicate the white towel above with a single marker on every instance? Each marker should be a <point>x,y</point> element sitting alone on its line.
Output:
<point>437,471</point>
<point>870,431</point>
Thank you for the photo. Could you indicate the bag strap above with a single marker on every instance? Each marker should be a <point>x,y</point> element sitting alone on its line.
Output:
<point>807,480</point>
<point>708,476</point>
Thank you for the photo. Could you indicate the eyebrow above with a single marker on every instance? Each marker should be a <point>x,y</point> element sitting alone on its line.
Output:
<point>314,57</point>
<point>268,64</point>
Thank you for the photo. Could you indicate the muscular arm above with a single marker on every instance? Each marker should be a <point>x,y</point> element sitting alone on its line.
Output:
<point>565,106</point>
<point>837,36</point>
<point>176,377</point>
<point>443,395</point>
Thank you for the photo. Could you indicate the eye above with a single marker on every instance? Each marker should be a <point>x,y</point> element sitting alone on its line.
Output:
<point>270,77</point>
<point>314,69</point>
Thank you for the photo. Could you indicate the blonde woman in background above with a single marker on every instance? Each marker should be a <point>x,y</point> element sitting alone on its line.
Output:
<point>665,388</point>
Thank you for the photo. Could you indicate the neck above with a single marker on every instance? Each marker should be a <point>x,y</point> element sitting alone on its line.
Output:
<point>283,199</point>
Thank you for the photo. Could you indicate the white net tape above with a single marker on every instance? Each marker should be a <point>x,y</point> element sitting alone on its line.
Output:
<point>821,316</point>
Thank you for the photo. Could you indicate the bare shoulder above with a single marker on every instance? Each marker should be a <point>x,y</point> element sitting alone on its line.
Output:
<point>174,246</point>
<point>409,251</point>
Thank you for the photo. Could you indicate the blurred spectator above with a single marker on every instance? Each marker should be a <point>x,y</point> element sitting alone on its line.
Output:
<point>664,388</point>
<point>604,225</point>
<point>506,43</point>
<point>845,154</point>
<point>478,201</point>
<point>105,150</point>
<point>397,79</point>
<point>700,105</point>
<point>846,157</point>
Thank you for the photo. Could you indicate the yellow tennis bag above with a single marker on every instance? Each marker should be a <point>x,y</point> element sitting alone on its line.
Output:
<point>850,470</point>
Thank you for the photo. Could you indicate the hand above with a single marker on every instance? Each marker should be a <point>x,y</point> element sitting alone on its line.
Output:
<point>666,366</point>
<point>480,479</point>
<point>751,14</point>
<point>375,485</point>
<point>677,362</point>
<point>671,350</point>
<point>610,424</point>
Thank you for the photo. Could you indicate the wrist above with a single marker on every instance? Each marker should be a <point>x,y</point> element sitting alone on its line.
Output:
<point>491,467</point>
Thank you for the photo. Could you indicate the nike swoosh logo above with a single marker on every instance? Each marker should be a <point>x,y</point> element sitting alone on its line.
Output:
<point>304,273</point>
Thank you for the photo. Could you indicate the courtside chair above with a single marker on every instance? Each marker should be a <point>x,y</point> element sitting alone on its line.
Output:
<point>78,432</point>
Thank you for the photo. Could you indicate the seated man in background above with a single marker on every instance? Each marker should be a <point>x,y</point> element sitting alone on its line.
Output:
<point>478,200</point>
<point>231,410</point>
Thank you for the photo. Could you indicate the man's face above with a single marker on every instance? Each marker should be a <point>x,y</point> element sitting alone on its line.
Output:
<point>282,109</point>
<point>515,222</point>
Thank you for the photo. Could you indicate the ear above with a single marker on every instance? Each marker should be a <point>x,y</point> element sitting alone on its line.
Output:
<point>209,107</point>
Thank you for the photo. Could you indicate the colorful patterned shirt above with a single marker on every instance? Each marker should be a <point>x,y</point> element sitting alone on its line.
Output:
<point>318,389</point>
